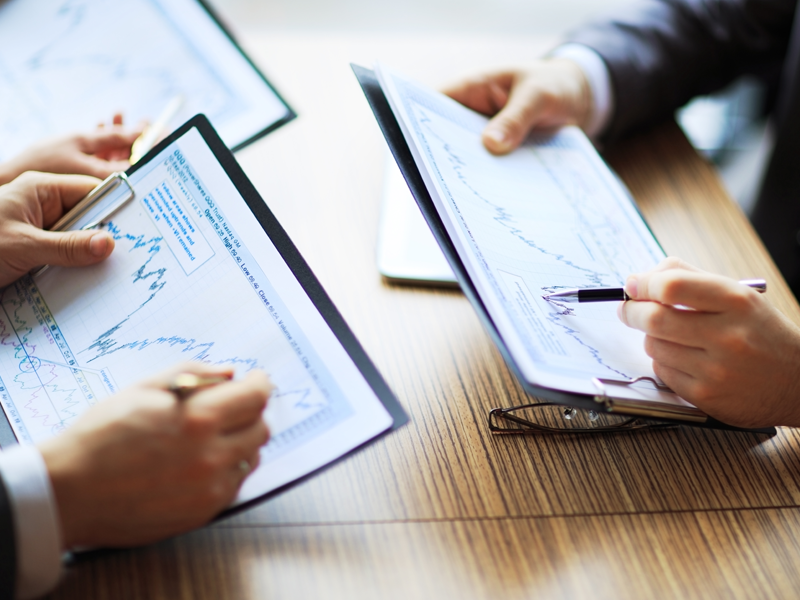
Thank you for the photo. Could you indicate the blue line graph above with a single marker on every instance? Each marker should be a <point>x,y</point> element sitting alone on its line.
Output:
<point>542,219</point>
<point>146,312</point>
<point>105,343</point>
<point>502,215</point>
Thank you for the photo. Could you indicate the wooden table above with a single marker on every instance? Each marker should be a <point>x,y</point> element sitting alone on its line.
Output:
<point>441,509</point>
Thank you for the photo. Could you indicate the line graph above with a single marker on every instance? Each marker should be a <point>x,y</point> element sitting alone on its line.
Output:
<point>501,215</point>
<point>546,217</point>
<point>166,48</point>
<point>62,350</point>
<point>70,338</point>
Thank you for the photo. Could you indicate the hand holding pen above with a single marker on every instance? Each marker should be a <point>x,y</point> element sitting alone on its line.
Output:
<point>734,355</point>
<point>587,295</point>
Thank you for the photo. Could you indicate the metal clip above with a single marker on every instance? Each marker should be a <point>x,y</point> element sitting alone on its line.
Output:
<point>80,210</point>
<point>653,410</point>
<point>87,203</point>
<point>604,398</point>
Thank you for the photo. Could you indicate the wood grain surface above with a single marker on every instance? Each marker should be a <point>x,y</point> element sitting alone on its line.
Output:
<point>725,554</point>
<point>442,509</point>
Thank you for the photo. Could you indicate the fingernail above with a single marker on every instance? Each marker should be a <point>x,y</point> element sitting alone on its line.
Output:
<point>632,286</point>
<point>98,245</point>
<point>497,135</point>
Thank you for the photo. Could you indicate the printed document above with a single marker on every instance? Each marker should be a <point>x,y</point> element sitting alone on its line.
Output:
<point>65,65</point>
<point>193,276</point>
<point>548,217</point>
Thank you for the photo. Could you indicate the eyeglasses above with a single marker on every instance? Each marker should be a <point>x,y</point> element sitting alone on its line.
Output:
<point>547,418</point>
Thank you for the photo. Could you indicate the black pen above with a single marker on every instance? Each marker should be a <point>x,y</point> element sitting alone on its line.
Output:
<point>619,295</point>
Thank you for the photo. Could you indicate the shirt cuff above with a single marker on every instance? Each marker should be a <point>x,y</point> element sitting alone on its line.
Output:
<point>36,525</point>
<point>599,78</point>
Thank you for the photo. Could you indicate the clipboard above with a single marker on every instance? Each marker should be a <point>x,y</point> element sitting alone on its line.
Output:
<point>604,399</point>
<point>189,53</point>
<point>290,113</point>
<point>323,323</point>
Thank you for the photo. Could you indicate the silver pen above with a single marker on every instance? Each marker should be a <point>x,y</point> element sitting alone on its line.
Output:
<point>619,295</point>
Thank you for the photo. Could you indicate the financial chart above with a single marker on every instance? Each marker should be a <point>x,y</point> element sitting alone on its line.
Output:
<point>548,217</point>
<point>66,65</point>
<point>181,284</point>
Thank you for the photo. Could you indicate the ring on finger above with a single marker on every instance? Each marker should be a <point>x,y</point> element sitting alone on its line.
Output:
<point>244,467</point>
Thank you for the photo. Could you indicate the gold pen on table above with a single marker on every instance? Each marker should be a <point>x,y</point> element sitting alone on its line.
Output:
<point>153,133</point>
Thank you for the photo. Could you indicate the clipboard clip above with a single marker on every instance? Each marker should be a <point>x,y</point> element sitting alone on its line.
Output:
<point>653,410</point>
<point>88,202</point>
<point>109,184</point>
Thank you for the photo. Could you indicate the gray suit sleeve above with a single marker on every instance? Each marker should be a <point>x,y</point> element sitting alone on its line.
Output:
<point>8,562</point>
<point>661,53</point>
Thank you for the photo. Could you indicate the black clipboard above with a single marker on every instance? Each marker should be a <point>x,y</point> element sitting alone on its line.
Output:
<point>302,272</point>
<point>290,114</point>
<point>402,154</point>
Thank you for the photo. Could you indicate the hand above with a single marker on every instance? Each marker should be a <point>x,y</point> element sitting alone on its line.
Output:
<point>734,356</point>
<point>34,202</point>
<point>143,465</point>
<point>551,93</point>
<point>98,154</point>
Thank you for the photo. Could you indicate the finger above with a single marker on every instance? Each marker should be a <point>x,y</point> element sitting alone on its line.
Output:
<point>679,382</point>
<point>56,194</point>
<point>675,356</point>
<point>118,119</point>
<point>480,94</point>
<point>498,96</point>
<point>102,167</point>
<point>673,262</point>
<point>688,328</point>
<point>509,128</point>
<point>105,140</point>
<point>255,459</point>
<point>237,404</point>
<point>67,249</point>
<point>701,291</point>
<point>246,442</point>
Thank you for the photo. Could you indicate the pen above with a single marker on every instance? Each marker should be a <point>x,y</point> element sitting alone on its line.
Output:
<point>152,133</point>
<point>619,295</point>
<point>185,384</point>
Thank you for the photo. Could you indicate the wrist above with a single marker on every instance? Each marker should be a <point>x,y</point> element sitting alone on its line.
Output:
<point>65,480</point>
<point>575,86</point>
<point>598,79</point>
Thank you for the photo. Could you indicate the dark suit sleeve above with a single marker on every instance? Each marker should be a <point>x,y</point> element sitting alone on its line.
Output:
<point>8,562</point>
<point>661,53</point>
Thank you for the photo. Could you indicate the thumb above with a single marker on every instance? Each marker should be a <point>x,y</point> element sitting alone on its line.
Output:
<point>69,249</point>
<point>509,127</point>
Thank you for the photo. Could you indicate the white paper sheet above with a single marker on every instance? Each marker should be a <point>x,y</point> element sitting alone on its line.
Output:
<point>549,216</point>
<point>193,277</point>
<point>65,65</point>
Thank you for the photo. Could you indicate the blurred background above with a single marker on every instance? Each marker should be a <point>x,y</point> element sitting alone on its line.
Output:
<point>727,127</point>
<point>481,16</point>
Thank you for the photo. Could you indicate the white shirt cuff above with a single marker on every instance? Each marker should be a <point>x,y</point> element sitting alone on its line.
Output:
<point>36,525</point>
<point>599,78</point>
